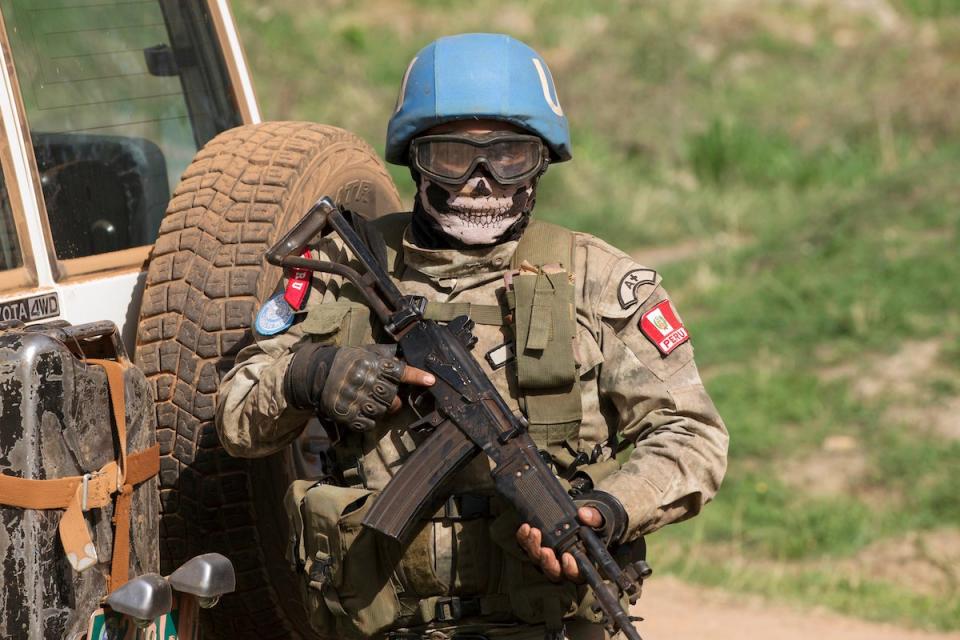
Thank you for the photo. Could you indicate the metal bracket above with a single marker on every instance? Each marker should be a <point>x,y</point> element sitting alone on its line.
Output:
<point>411,310</point>
<point>85,490</point>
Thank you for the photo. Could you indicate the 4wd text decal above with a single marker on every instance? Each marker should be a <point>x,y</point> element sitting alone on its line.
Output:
<point>29,309</point>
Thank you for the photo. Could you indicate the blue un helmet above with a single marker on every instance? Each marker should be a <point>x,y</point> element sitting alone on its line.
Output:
<point>477,75</point>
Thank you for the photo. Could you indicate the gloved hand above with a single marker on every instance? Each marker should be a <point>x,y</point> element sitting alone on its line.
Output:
<point>352,386</point>
<point>611,511</point>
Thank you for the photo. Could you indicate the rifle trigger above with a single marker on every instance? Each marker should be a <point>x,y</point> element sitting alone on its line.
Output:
<point>418,401</point>
<point>428,422</point>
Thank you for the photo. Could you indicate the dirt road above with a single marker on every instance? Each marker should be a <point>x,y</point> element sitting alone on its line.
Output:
<point>677,611</point>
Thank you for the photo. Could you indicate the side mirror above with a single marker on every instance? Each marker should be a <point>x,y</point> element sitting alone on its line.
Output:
<point>145,598</point>
<point>207,577</point>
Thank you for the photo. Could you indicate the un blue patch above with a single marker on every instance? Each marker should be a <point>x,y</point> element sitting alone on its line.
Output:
<point>275,316</point>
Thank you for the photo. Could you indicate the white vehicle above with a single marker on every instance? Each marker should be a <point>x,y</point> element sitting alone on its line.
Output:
<point>108,212</point>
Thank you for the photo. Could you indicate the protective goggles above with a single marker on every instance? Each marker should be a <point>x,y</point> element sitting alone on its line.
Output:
<point>451,159</point>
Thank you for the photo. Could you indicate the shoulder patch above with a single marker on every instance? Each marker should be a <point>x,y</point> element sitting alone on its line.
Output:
<point>630,283</point>
<point>626,285</point>
<point>663,328</point>
<point>275,316</point>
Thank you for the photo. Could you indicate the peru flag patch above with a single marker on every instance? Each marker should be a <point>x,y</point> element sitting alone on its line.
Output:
<point>662,326</point>
<point>299,285</point>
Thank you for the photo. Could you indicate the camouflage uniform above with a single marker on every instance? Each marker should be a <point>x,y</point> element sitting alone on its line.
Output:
<point>629,392</point>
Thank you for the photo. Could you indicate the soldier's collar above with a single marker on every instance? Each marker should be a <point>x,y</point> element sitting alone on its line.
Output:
<point>456,263</point>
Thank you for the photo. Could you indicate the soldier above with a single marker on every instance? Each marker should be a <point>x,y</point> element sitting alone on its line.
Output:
<point>593,353</point>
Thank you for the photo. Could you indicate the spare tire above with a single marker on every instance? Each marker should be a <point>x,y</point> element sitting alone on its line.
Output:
<point>205,281</point>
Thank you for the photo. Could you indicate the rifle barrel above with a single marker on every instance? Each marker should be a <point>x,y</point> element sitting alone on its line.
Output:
<point>609,602</point>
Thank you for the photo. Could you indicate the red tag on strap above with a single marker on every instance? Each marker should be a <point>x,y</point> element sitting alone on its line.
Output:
<point>662,326</point>
<point>298,286</point>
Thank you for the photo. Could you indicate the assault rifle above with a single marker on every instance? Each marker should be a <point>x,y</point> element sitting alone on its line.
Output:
<point>469,416</point>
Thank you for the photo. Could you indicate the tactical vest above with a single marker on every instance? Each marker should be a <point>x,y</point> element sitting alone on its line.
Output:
<point>540,311</point>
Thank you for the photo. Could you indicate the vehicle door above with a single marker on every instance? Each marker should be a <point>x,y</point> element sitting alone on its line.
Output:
<point>107,103</point>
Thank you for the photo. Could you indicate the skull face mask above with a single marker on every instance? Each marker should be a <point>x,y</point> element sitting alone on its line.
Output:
<point>475,185</point>
<point>478,212</point>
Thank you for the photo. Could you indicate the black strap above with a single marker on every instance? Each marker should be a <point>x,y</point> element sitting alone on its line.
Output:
<point>465,506</point>
<point>429,635</point>
<point>454,608</point>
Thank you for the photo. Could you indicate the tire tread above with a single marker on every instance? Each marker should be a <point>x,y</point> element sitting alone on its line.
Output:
<point>203,285</point>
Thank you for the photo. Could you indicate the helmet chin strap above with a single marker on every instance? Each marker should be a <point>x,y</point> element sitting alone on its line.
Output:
<point>479,213</point>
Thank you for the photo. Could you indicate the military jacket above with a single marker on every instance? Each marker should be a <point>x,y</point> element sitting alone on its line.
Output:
<point>631,393</point>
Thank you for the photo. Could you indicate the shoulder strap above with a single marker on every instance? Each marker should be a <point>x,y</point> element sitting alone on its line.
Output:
<point>488,314</point>
<point>544,243</point>
<point>391,228</point>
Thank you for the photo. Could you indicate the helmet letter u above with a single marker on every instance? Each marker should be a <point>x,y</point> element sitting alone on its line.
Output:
<point>552,101</point>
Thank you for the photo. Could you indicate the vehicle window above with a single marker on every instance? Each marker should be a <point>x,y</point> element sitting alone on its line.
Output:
<point>10,257</point>
<point>119,96</point>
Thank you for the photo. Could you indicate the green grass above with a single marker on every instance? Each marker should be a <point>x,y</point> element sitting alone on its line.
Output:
<point>814,148</point>
<point>924,469</point>
<point>763,516</point>
<point>783,413</point>
<point>871,269</point>
<point>931,8</point>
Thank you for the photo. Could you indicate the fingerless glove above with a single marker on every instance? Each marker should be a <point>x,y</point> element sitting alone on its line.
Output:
<point>351,386</point>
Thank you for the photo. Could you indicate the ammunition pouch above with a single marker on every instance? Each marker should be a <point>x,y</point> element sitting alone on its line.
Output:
<point>532,597</point>
<point>343,323</point>
<point>542,305</point>
<point>545,326</point>
<point>347,570</point>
